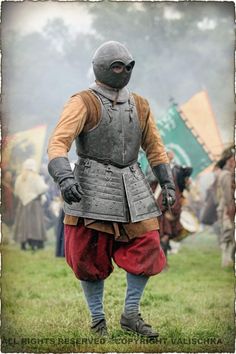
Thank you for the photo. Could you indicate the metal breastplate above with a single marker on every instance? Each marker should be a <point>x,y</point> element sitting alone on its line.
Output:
<point>112,193</point>
<point>117,137</point>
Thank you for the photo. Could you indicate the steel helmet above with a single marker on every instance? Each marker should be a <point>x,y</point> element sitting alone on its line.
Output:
<point>105,57</point>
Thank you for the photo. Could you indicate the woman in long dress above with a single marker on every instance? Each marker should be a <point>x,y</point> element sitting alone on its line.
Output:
<point>29,228</point>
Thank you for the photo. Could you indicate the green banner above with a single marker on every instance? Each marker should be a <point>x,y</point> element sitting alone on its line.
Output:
<point>180,139</point>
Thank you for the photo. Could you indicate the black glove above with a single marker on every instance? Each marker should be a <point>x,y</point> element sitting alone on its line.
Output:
<point>165,178</point>
<point>60,170</point>
<point>168,196</point>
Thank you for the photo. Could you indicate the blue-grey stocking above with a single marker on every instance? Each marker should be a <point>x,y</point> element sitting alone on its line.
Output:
<point>93,291</point>
<point>135,288</point>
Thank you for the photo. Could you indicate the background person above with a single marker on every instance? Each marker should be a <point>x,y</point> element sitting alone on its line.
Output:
<point>170,225</point>
<point>208,215</point>
<point>29,228</point>
<point>226,205</point>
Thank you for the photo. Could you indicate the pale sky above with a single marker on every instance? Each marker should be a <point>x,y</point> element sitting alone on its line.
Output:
<point>28,16</point>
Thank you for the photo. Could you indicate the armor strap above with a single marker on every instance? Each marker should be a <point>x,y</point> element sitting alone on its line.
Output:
<point>107,104</point>
<point>131,107</point>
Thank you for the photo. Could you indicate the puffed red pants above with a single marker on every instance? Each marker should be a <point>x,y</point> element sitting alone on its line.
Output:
<point>89,253</point>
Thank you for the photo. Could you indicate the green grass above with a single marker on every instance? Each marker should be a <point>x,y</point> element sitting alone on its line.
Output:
<point>191,304</point>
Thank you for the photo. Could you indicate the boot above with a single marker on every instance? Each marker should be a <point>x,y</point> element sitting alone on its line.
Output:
<point>137,325</point>
<point>99,328</point>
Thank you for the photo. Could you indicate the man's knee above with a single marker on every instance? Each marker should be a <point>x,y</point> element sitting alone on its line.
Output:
<point>88,253</point>
<point>143,255</point>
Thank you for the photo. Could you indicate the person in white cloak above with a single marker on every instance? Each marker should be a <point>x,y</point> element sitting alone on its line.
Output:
<point>29,228</point>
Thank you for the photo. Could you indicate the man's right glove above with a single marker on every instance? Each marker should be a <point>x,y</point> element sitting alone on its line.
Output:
<point>60,170</point>
<point>165,178</point>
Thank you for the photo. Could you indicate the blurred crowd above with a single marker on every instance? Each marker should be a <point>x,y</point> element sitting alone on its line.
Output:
<point>194,210</point>
<point>32,207</point>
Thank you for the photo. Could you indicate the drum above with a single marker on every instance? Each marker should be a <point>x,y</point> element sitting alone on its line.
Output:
<point>189,223</point>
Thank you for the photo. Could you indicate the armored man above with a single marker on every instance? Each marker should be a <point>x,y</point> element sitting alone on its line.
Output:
<point>110,211</point>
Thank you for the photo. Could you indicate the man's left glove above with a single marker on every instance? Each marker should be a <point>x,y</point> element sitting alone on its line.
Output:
<point>165,178</point>
<point>60,170</point>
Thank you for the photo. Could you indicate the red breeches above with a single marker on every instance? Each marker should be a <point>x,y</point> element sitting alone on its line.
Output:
<point>89,253</point>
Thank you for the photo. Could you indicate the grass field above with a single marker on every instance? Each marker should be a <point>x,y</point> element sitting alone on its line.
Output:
<point>191,304</point>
